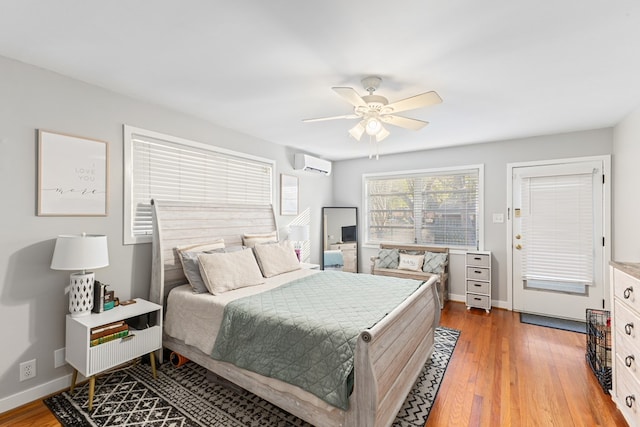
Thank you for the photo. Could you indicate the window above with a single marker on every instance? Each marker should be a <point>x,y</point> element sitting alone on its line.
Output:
<point>436,207</point>
<point>163,167</point>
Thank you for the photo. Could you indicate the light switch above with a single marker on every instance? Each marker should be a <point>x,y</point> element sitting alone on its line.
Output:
<point>498,218</point>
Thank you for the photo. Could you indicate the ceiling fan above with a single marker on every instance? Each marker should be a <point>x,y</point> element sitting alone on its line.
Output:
<point>374,110</point>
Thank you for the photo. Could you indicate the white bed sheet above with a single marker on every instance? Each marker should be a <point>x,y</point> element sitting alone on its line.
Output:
<point>196,318</point>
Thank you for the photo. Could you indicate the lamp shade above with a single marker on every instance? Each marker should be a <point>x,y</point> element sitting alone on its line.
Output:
<point>80,252</point>
<point>298,233</point>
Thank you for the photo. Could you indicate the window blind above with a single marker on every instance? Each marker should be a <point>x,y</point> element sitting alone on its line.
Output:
<point>439,208</point>
<point>167,170</point>
<point>558,229</point>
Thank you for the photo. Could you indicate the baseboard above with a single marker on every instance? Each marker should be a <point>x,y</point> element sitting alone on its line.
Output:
<point>35,393</point>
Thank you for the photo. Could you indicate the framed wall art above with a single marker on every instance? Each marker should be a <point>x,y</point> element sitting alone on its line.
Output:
<point>288,195</point>
<point>73,178</point>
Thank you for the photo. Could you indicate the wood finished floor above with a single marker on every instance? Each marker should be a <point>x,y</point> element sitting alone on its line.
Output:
<point>502,373</point>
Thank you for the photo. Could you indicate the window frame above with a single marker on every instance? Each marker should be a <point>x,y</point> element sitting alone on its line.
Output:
<point>367,242</point>
<point>129,131</point>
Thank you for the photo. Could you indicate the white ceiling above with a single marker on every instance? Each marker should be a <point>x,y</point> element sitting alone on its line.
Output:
<point>505,68</point>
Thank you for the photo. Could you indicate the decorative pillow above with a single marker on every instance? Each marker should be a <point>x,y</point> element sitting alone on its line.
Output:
<point>387,258</point>
<point>434,262</point>
<point>189,259</point>
<point>250,240</point>
<point>222,272</point>
<point>411,262</point>
<point>276,258</point>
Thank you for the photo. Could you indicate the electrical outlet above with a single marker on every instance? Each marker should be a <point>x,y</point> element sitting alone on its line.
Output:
<point>28,370</point>
<point>58,358</point>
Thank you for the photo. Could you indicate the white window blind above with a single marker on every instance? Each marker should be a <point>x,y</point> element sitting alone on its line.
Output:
<point>179,170</point>
<point>439,208</point>
<point>558,229</point>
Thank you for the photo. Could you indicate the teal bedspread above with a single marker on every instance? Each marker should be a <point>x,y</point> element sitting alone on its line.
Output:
<point>305,332</point>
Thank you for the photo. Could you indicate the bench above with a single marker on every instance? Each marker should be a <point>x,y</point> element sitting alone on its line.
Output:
<point>443,275</point>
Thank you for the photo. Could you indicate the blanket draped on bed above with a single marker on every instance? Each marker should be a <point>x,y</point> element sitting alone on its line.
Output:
<point>305,332</point>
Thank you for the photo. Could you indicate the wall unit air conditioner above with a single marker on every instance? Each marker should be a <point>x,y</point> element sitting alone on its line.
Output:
<point>309,163</point>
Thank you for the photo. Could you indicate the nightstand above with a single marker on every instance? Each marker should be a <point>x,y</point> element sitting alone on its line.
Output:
<point>309,266</point>
<point>144,316</point>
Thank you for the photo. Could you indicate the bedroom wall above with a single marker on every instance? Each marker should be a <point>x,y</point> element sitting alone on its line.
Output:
<point>32,303</point>
<point>626,193</point>
<point>347,186</point>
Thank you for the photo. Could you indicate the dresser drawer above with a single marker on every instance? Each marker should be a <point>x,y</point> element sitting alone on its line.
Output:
<point>626,326</point>
<point>480,260</point>
<point>627,363</point>
<point>477,287</point>
<point>479,301</point>
<point>627,391</point>
<point>477,273</point>
<point>627,289</point>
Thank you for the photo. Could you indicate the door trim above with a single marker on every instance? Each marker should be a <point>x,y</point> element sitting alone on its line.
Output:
<point>606,218</point>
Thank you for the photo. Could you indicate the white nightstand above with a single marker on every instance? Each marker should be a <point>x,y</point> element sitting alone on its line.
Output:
<point>90,361</point>
<point>309,266</point>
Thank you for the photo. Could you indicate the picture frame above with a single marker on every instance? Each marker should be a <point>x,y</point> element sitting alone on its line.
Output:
<point>73,175</point>
<point>289,196</point>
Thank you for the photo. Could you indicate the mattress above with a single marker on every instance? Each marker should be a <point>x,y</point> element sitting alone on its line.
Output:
<point>196,318</point>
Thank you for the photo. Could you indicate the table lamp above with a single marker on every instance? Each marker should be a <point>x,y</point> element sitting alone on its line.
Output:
<point>80,252</point>
<point>297,234</point>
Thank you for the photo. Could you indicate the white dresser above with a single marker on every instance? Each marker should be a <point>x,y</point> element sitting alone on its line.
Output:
<point>625,330</point>
<point>478,280</point>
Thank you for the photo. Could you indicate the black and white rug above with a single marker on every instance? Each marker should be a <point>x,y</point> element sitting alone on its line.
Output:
<point>184,397</point>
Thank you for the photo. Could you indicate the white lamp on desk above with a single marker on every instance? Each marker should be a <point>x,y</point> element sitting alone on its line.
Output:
<point>297,234</point>
<point>80,252</point>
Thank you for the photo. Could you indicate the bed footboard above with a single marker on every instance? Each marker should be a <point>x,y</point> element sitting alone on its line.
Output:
<point>390,356</point>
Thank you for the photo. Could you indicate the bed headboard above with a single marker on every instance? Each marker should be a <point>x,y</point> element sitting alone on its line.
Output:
<point>181,223</point>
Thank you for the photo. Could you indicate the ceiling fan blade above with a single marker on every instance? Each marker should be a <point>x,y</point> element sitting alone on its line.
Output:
<point>382,134</point>
<point>350,95</point>
<point>423,100</point>
<point>403,122</point>
<point>322,119</point>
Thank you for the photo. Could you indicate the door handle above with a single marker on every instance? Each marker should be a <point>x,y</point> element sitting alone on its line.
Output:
<point>518,246</point>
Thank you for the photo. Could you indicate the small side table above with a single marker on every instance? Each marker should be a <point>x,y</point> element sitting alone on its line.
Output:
<point>91,361</point>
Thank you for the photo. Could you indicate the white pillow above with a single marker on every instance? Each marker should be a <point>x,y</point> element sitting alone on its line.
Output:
<point>250,240</point>
<point>222,272</point>
<point>276,258</point>
<point>188,255</point>
<point>410,262</point>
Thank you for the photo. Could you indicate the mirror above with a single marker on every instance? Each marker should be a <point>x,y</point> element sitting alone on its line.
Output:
<point>340,239</point>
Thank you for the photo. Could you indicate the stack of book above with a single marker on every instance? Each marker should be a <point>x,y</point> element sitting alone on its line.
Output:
<point>105,333</point>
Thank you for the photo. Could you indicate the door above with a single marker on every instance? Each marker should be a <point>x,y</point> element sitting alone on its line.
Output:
<point>558,238</point>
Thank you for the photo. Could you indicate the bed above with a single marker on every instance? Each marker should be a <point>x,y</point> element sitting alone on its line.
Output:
<point>333,260</point>
<point>388,356</point>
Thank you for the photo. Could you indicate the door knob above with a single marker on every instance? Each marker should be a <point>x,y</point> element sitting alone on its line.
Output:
<point>518,236</point>
<point>518,246</point>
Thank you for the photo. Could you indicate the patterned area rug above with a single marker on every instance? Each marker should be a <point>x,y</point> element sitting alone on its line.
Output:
<point>185,397</point>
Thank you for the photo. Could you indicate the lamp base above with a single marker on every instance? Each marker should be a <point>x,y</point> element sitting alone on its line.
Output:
<point>81,294</point>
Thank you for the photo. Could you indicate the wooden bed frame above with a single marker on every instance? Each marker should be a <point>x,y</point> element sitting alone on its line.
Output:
<point>389,356</point>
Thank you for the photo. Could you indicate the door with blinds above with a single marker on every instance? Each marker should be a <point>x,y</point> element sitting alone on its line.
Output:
<point>557,240</point>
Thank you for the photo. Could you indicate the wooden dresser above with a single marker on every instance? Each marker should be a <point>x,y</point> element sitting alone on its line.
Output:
<point>349,255</point>
<point>625,330</point>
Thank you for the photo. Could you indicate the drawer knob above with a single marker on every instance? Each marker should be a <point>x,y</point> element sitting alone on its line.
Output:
<point>629,360</point>
<point>477,271</point>
<point>627,292</point>
<point>628,328</point>
<point>629,400</point>
<point>477,285</point>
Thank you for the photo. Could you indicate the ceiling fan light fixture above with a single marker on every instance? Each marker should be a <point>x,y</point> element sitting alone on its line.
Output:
<point>373,126</point>
<point>357,131</point>
<point>382,134</point>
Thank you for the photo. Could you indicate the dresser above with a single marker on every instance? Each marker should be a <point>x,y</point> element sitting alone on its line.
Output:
<point>349,255</point>
<point>625,331</point>
<point>478,280</point>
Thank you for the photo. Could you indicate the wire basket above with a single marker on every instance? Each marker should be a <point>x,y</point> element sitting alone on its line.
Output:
<point>599,346</point>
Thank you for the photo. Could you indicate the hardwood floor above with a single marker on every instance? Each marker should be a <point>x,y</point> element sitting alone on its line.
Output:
<point>507,373</point>
<point>502,373</point>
